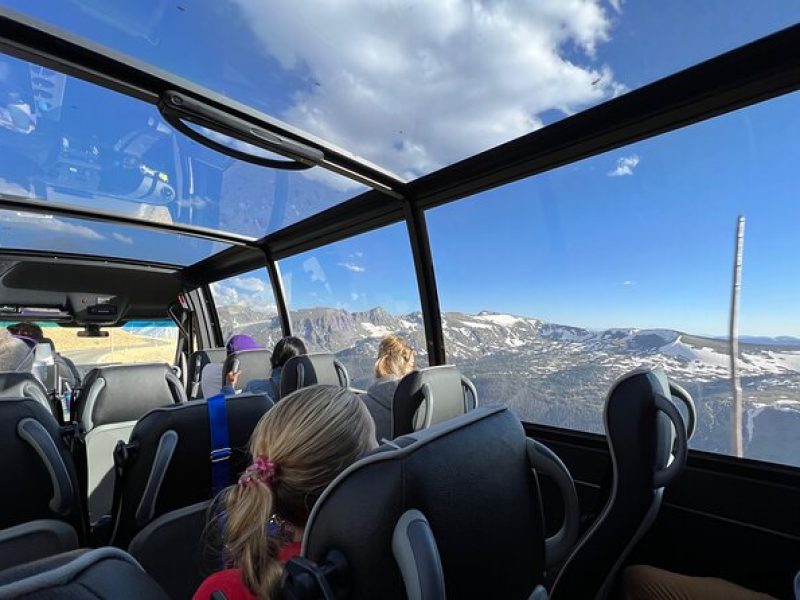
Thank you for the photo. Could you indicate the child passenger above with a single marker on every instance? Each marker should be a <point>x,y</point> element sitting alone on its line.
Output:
<point>298,448</point>
<point>395,360</point>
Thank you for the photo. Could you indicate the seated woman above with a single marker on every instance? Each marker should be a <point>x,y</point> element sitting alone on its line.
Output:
<point>237,343</point>
<point>298,448</point>
<point>286,348</point>
<point>395,360</point>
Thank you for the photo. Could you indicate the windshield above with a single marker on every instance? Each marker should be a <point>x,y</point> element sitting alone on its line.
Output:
<point>414,86</point>
<point>134,342</point>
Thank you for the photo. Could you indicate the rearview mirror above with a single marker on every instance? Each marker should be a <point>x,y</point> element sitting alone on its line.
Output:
<point>93,331</point>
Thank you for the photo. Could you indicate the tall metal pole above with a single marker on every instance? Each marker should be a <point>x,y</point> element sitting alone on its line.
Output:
<point>736,417</point>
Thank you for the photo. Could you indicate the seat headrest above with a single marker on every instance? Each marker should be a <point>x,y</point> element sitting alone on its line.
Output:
<point>312,369</point>
<point>643,428</point>
<point>204,356</point>
<point>640,435</point>
<point>99,574</point>
<point>430,396</point>
<point>23,385</point>
<point>253,365</point>
<point>38,479</point>
<point>187,478</point>
<point>121,393</point>
<point>472,469</point>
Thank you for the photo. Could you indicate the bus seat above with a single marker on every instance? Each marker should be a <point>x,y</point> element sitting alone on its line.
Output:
<point>429,396</point>
<point>312,369</point>
<point>197,362</point>
<point>166,465</point>
<point>648,443</point>
<point>35,540</point>
<point>114,397</point>
<point>25,385</point>
<point>182,531</point>
<point>453,508</point>
<point>39,479</point>
<point>253,365</point>
<point>104,573</point>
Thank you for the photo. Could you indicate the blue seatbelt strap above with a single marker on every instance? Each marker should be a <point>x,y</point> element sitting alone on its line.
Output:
<point>220,445</point>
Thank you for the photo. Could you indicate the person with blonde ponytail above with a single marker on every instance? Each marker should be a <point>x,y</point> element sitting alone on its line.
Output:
<point>298,448</point>
<point>395,360</point>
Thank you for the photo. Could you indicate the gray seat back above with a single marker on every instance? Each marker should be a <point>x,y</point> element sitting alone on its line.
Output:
<point>114,397</point>
<point>648,443</point>
<point>429,396</point>
<point>197,362</point>
<point>312,369</point>
<point>453,508</point>
<point>182,532</point>
<point>104,573</point>
<point>38,480</point>
<point>35,540</point>
<point>24,385</point>
<point>253,365</point>
<point>167,464</point>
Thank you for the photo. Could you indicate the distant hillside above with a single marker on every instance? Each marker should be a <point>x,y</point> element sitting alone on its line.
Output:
<point>559,374</point>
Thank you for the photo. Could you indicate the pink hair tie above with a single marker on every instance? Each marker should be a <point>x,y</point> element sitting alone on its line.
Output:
<point>262,469</point>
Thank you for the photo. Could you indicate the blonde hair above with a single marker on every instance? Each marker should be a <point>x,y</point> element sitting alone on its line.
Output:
<point>310,437</point>
<point>395,357</point>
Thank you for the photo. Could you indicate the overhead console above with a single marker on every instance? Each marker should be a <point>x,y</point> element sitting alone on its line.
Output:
<point>96,308</point>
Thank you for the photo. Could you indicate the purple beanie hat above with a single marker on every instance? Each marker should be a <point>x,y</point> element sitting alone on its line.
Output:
<point>240,342</point>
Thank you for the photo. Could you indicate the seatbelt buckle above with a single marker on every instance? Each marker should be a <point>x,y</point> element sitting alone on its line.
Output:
<point>220,455</point>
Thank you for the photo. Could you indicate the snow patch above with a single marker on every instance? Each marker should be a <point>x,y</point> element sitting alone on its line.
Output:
<point>678,349</point>
<point>504,320</point>
<point>376,330</point>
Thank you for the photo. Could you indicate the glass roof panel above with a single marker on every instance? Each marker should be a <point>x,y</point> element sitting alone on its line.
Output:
<point>20,230</point>
<point>64,140</point>
<point>414,86</point>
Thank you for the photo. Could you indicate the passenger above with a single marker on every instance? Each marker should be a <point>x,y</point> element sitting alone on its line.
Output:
<point>286,348</point>
<point>15,354</point>
<point>395,360</point>
<point>67,369</point>
<point>298,448</point>
<point>28,330</point>
<point>237,343</point>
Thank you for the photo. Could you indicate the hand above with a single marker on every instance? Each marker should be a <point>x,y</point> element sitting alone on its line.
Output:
<point>233,378</point>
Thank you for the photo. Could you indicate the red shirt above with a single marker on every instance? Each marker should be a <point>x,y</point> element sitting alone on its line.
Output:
<point>230,583</point>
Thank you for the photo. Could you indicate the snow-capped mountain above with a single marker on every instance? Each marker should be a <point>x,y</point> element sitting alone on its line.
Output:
<point>559,374</point>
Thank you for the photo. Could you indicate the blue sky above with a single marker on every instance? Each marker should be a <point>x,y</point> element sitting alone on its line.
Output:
<point>650,246</point>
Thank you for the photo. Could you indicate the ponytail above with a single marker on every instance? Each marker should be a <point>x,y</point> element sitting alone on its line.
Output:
<point>299,446</point>
<point>248,543</point>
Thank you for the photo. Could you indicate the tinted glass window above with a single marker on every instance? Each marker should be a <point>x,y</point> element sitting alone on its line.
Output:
<point>414,86</point>
<point>554,286</point>
<point>346,297</point>
<point>67,141</point>
<point>245,304</point>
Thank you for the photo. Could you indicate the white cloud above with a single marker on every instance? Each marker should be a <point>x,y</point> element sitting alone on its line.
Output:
<point>351,267</point>
<point>14,189</point>
<point>625,166</point>
<point>125,239</point>
<point>616,5</point>
<point>249,284</point>
<point>316,272</point>
<point>224,295</point>
<point>628,282</point>
<point>354,296</point>
<point>48,223</point>
<point>416,86</point>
